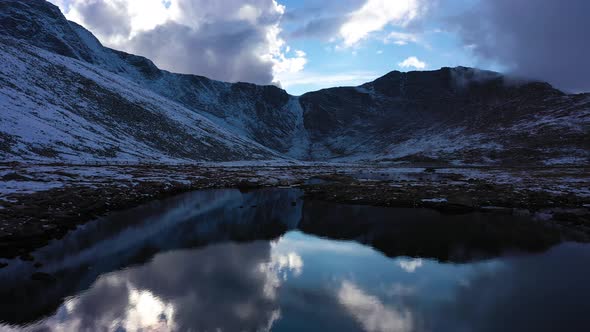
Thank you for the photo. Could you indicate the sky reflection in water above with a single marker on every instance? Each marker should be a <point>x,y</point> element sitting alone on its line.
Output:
<point>298,281</point>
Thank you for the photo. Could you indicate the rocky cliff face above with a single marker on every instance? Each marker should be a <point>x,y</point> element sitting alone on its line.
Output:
<point>66,97</point>
<point>449,114</point>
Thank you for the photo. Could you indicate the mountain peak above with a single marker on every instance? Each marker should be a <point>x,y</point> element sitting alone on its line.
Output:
<point>42,7</point>
<point>41,24</point>
<point>455,80</point>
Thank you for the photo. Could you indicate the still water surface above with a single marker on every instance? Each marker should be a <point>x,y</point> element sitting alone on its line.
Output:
<point>224,260</point>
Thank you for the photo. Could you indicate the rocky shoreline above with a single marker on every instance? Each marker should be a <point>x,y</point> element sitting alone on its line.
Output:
<point>29,220</point>
<point>568,213</point>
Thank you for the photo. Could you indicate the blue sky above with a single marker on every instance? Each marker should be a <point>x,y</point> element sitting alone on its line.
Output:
<point>305,45</point>
<point>373,57</point>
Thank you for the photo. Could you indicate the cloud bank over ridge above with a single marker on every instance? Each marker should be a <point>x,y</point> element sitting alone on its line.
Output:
<point>288,42</point>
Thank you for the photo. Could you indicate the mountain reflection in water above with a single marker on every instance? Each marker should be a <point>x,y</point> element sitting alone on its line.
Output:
<point>266,260</point>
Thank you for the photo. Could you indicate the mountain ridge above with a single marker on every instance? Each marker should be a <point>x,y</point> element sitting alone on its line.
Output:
<point>441,115</point>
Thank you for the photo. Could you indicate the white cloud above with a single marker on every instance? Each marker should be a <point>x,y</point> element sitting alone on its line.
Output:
<point>144,310</point>
<point>300,53</point>
<point>278,53</point>
<point>138,16</point>
<point>410,266</point>
<point>376,15</point>
<point>412,62</point>
<point>276,270</point>
<point>249,13</point>
<point>371,313</point>
<point>401,38</point>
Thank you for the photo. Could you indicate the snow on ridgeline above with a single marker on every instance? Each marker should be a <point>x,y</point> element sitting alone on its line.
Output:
<point>89,113</point>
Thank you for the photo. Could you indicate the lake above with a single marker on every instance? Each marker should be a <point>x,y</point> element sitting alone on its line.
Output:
<point>268,260</point>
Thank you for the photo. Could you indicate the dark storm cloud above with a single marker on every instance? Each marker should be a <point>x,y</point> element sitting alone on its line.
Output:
<point>226,282</point>
<point>104,19</point>
<point>322,22</point>
<point>229,40</point>
<point>322,28</point>
<point>110,305</point>
<point>222,44</point>
<point>224,287</point>
<point>222,50</point>
<point>326,8</point>
<point>541,39</point>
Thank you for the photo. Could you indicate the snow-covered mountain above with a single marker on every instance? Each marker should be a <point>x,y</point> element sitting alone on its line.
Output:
<point>65,97</point>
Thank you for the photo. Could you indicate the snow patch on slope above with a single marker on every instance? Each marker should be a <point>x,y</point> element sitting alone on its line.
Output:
<point>45,118</point>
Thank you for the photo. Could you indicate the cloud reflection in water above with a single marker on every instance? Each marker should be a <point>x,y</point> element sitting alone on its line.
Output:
<point>227,287</point>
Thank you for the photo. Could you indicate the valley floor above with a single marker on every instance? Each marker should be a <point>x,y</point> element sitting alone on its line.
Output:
<point>42,202</point>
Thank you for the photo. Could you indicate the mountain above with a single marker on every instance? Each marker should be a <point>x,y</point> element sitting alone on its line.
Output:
<point>65,97</point>
<point>450,114</point>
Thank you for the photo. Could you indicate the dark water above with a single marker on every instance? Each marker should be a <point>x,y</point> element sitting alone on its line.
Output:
<point>229,261</point>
